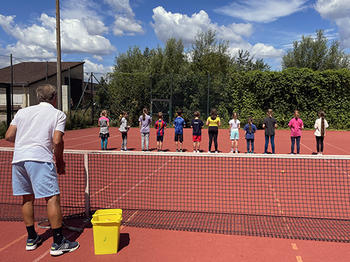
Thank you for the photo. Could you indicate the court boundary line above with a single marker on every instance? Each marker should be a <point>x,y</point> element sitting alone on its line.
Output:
<point>13,242</point>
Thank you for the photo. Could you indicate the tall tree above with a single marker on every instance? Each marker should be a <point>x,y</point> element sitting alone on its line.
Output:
<point>316,53</point>
<point>243,61</point>
<point>210,55</point>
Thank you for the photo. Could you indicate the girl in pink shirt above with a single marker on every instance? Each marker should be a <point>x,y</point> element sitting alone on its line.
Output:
<point>295,125</point>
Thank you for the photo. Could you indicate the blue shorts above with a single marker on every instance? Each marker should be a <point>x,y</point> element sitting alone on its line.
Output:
<point>32,177</point>
<point>234,135</point>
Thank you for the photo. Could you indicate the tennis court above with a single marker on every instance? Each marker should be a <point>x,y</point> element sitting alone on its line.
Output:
<point>258,207</point>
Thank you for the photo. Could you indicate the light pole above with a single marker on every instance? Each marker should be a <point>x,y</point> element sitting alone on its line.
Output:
<point>58,50</point>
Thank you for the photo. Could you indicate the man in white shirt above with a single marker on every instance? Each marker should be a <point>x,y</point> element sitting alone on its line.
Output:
<point>38,135</point>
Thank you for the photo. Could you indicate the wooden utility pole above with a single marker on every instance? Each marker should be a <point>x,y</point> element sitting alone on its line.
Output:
<point>58,50</point>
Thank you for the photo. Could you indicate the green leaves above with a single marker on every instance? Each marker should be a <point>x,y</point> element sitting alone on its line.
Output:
<point>316,54</point>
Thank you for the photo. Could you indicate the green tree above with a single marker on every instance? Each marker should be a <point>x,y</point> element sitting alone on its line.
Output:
<point>316,54</point>
<point>243,61</point>
<point>209,55</point>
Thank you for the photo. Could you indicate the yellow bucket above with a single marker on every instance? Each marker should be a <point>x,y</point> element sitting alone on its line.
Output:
<point>106,228</point>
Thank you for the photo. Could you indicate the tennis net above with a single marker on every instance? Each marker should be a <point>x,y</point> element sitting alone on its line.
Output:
<point>302,197</point>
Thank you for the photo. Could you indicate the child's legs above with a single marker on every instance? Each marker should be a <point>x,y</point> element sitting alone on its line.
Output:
<point>125,138</point>
<point>236,139</point>
<point>318,144</point>
<point>252,145</point>
<point>321,142</point>
<point>298,143</point>
<point>106,142</point>
<point>292,139</point>
<point>147,140</point>
<point>248,145</point>
<point>216,140</point>
<point>272,139</point>
<point>142,141</point>
<point>102,143</point>
<point>211,136</point>
<point>266,143</point>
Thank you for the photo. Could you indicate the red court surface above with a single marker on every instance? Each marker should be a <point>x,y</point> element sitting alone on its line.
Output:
<point>139,244</point>
<point>160,245</point>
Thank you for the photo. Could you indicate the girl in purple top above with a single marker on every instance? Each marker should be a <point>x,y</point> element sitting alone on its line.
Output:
<point>145,122</point>
<point>295,125</point>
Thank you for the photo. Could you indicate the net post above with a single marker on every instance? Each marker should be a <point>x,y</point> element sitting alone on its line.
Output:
<point>87,188</point>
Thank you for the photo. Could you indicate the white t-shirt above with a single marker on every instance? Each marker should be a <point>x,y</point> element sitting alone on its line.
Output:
<point>35,128</point>
<point>318,126</point>
<point>234,124</point>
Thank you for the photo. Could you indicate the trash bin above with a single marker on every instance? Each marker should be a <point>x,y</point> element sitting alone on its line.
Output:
<point>106,229</point>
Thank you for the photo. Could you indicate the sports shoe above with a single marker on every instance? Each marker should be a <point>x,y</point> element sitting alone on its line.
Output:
<point>33,243</point>
<point>64,247</point>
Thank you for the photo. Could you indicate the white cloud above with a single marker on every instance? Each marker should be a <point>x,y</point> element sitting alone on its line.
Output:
<point>98,58</point>
<point>337,11</point>
<point>75,36</point>
<point>261,50</point>
<point>125,22</point>
<point>262,10</point>
<point>125,25</point>
<point>84,11</point>
<point>174,25</point>
<point>121,6</point>
<point>180,26</point>
<point>90,66</point>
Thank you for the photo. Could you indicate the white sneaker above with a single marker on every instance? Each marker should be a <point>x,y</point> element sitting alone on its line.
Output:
<point>194,151</point>
<point>216,152</point>
<point>236,151</point>
<point>209,152</point>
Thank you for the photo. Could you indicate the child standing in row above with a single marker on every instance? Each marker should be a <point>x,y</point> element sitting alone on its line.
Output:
<point>250,129</point>
<point>296,125</point>
<point>196,125</point>
<point>213,122</point>
<point>179,124</point>
<point>160,126</point>
<point>320,131</point>
<point>144,124</point>
<point>124,128</point>
<point>235,125</point>
<point>103,123</point>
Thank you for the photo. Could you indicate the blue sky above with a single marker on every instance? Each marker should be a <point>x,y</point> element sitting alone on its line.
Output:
<point>97,31</point>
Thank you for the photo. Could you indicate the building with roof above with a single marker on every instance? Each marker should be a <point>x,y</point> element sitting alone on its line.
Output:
<point>27,76</point>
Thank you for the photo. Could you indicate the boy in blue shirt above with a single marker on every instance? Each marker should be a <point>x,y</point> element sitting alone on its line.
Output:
<point>179,124</point>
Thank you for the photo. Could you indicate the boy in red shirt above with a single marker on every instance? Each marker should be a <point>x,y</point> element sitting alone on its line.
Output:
<point>160,126</point>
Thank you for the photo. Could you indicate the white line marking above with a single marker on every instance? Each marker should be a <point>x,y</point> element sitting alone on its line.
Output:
<point>336,147</point>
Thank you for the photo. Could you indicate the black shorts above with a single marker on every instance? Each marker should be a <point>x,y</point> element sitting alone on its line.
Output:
<point>104,136</point>
<point>179,137</point>
<point>160,138</point>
